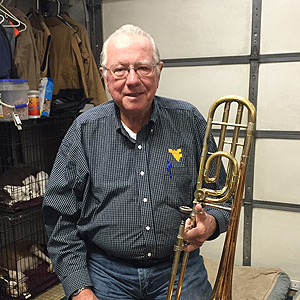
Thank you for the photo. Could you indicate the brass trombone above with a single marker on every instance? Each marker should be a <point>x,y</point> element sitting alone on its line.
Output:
<point>234,187</point>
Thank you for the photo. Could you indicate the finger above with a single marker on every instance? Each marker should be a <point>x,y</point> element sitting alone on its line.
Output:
<point>199,209</point>
<point>188,222</point>
<point>188,225</point>
<point>191,247</point>
<point>200,213</point>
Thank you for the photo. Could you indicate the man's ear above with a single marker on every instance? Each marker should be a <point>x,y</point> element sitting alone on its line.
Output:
<point>101,69</point>
<point>161,65</point>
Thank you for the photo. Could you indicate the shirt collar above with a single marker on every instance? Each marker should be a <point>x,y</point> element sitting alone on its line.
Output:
<point>150,123</point>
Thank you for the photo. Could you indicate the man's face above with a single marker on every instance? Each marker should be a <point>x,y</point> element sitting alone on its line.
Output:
<point>133,95</point>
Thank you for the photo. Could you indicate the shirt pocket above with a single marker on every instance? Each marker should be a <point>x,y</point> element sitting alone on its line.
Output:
<point>179,187</point>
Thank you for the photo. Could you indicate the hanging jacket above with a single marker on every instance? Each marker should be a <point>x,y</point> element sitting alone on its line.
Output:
<point>66,62</point>
<point>26,56</point>
<point>11,34</point>
<point>5,55</point>
<point>42,37</point>
<point>94,83</point>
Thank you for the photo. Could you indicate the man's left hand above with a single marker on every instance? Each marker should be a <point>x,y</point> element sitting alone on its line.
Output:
<point>205,226</point>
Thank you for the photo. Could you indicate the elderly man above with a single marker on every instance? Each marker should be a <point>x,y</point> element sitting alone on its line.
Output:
<point>123,170</point>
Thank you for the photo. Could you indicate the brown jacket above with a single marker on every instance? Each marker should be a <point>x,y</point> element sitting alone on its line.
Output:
<point>26,55</point>
<point>42,38</point>
<point>71,62</point>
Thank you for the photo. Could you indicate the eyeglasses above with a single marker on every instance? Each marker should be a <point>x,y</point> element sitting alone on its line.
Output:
<point>142,69</point>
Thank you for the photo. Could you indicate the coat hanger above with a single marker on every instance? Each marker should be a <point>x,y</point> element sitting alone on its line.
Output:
<point>8,15</point>
<point>14,20</point>
<point>2,19</point>
<point>60,17</point>
<point>36,15</point>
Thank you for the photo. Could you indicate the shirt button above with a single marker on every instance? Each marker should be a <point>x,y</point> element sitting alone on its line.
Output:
<point>147,228</point>
<point>145,200</point>
<point>140,146</point>
<point>142,173</point>
<point>149,254</point>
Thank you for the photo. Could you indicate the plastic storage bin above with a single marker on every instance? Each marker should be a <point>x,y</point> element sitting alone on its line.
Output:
<point>14,99</point>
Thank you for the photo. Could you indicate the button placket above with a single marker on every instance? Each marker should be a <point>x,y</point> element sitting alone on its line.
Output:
<point>144,195</point>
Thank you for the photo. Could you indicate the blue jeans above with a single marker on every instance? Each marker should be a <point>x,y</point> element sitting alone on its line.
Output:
<point>116,280</point>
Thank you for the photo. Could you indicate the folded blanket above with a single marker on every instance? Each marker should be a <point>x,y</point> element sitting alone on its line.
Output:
<point>250,283</point>
<point>33,187</point>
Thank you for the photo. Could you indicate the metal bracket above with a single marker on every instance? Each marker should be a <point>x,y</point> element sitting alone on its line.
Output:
<point>253,91</point>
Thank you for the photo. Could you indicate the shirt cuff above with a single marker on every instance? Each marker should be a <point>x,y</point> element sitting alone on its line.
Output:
<point>221,223</point>
<point>215,234</point>
<point>76,281</point>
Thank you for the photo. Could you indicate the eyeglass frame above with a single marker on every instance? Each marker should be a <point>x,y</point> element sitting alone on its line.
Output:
<point>129,67</point>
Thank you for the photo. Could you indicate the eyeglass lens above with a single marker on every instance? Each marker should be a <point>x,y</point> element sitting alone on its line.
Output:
<point>141,69</point>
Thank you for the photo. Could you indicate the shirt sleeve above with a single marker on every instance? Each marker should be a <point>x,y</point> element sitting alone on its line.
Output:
<point>66,190</point>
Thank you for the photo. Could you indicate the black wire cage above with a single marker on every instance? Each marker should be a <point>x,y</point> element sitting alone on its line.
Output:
<point>25,268</point>
<point>26,160</point>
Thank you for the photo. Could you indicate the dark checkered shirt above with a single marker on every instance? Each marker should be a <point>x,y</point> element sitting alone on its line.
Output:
<point>121,194</point>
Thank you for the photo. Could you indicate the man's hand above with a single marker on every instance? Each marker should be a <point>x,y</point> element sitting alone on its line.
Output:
<point>86,294</point>
<point>205,226</point>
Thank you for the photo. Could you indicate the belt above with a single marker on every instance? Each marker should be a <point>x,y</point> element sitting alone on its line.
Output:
<point>138,263</point>
<point>147,263</point>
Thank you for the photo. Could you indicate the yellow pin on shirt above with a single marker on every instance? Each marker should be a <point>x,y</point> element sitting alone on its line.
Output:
<point>176,153</point>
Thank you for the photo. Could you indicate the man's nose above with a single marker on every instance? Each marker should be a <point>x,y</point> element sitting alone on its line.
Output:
<point>132,77</point>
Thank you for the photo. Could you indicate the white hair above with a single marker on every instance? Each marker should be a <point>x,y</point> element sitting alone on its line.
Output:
<point>129,30</point>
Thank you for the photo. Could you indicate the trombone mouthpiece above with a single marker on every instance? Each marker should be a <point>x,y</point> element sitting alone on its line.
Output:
<point>185,212</point>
